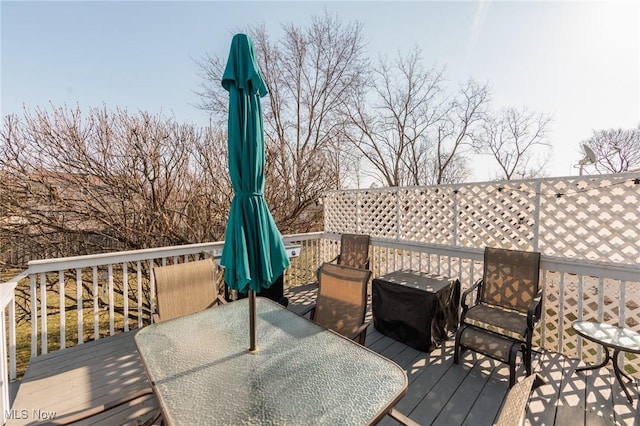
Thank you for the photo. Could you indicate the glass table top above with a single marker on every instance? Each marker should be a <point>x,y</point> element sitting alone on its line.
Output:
<point>609,335</point>
<point>301,373</point>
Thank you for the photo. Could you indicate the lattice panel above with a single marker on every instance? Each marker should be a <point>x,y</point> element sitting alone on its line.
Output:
<point>546,335</point>
<point>497,214</point>
<point>426,214</point>
<point>591,218</point>
<point>631,316</point>
<point>632,306</point>
<point>377,214</point>
<point>340,212</point>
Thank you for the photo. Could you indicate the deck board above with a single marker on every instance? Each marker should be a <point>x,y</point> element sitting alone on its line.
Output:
<point>82,377</point>
<point>440,392</point>
<point>456,409</point>
<point>434,402</point>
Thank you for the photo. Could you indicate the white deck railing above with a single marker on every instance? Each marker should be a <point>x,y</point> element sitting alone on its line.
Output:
<point>95,278</point>
<point>574,289</point>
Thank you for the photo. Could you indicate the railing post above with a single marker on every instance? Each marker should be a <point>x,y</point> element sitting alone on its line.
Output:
<point>152,291</point>
<point>600,310</point>
<point>455,217</point>
<point>398,224</point>
<point>43,314</point>
<point>12,339</point>
<point>357,218</point>
<point>536,216</point>
<point>580,311</point>
<point>34,315</point>
<point>4,384</point>
<point>125,292</point>
<point>79,306</point>
<point>112,319</point>
<point>96,312</point>
<point>561,299</point>
<point>139,284</point>
<point>621,315</point>
<point>62,302</point>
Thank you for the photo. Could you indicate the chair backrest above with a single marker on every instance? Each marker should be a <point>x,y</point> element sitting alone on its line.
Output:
<point>341,304</point>
<point>354,250</point>
<point>184,288</point>
<point>511,278</point>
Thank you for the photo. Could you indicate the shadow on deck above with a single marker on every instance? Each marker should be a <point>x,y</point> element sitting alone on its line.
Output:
<point>440,392</point>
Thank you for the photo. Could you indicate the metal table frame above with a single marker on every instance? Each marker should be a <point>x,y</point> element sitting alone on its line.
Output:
<point>610,337</point>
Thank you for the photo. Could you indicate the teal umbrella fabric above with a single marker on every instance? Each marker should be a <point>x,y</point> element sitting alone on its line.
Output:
<point>254,255</point>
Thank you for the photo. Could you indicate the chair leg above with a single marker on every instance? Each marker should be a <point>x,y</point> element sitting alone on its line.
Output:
<point>527,354</point>
<point>456,351</point>
<point>362,337</point>
<point>512,363</point>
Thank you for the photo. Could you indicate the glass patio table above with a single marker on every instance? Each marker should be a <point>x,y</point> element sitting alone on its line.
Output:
<point>610,337</point>
<point>202,372</point>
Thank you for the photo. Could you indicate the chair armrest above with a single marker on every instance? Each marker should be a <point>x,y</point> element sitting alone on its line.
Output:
<point>535,310</point>
<point>465,295</point>
<point>219,300</point>
<point>467,292</point>
<point>335,259</point>
<point>360,334</point>
<point>311,309</point>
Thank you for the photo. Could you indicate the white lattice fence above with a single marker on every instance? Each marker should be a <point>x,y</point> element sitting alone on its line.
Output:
<point>594,218</point>
<point>425,215</point>
<point>381,205</point>
<point>588,217</point>
<point>341,210</point>
<point>498,214</point>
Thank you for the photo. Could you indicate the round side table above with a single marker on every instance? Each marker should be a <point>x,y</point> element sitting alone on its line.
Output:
<point>610,337</point>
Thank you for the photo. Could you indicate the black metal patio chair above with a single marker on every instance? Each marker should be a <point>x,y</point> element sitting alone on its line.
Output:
<point>508,303</point>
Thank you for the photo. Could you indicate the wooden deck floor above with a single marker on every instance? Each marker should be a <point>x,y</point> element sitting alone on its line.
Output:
<point>440,392</point>
<point>443,393</point>
<point>63,383</point>
<point>471,393</point>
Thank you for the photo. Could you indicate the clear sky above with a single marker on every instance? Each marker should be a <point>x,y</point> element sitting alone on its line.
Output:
<point>577,61</point>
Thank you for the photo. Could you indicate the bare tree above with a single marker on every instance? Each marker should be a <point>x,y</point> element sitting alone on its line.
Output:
<point>116,180</point>
<point>309,72</point>
<point>616,150</point>
<point>389,126</point>
<point>457,132</point>
<point>516,138</point>
<point>409,128</point>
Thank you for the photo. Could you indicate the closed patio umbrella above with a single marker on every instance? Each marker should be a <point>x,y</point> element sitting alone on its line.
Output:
<point>253,255</point>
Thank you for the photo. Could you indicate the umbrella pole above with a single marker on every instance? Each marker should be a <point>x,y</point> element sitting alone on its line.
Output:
<point>253,347</point>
